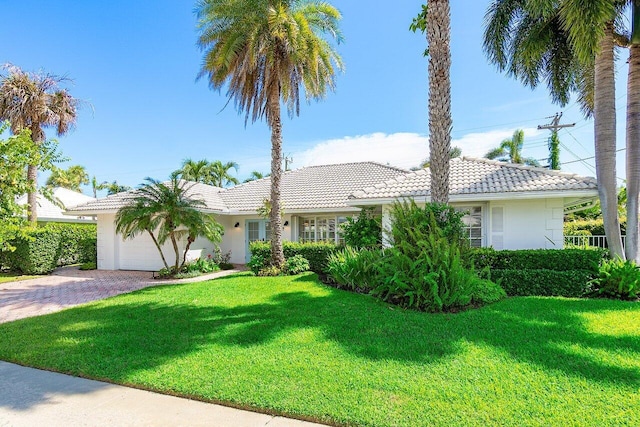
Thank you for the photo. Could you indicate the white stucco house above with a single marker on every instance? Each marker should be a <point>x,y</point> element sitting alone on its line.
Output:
<point>63,198</point>
<point>509,207</point>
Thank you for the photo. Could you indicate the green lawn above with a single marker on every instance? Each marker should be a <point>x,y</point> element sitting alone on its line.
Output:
<point>293,346</point>
<point>13,277</point>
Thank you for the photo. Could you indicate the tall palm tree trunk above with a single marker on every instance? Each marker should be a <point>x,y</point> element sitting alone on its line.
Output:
<point>633,138</point>
<point>605,140</point>
<point>438,37</point>
<point>37,136</point>
<point>277,253</point>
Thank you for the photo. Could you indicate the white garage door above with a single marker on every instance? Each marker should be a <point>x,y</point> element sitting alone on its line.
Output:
<point>141,254</point>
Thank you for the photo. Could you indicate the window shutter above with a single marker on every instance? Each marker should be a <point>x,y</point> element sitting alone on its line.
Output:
<point>497,227</point>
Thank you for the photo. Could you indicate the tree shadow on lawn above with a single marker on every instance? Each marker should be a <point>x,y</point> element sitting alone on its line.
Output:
<point>116,339</point>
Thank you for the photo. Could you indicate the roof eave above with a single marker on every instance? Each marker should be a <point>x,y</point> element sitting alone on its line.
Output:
<point>520,195</point>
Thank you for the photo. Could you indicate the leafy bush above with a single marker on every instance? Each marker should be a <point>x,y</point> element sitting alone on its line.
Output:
<point>296,264</point>
<point>270,270</point>
<point>316,253</point>
<point>365,231</point>
<point>487,292</point>
<point>226,266</point>
<point>77,242</point>
<point>595,227</point>
<point>411,222</point>
<point>618,279</point>
<point>537,259</point>
<point>353,269</point>
<point>89,266</point>
<point>220,257</point>
<point>572,283</point>
<point>424,270</point>
<point>38,253</point>
<point>200,265</point>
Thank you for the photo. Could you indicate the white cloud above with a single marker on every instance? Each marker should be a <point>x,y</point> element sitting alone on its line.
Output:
<point>398,149</point>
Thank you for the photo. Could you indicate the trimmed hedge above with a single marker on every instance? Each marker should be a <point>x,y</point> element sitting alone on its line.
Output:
<point>539,272</point>
<point>594,227</point>
<point>38,255</point>
<point>316,253</point>
<point>538,259</point>
<point>572,283</point>
<point>77,244</point>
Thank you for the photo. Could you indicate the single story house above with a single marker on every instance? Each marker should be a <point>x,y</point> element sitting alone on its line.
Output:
<point>53,210</point>
<point>509,207</point>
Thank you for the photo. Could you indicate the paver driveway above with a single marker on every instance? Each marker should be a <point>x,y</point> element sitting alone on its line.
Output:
<point>69,286</point>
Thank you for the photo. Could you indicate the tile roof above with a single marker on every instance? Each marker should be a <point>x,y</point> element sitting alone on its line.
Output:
<point>469,176</point>
<point>208,193</point>
<point>65,197</point>
<point>312,187</point>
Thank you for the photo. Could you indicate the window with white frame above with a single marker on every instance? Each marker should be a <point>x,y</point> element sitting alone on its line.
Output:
<point>472,224</point>
<point>320,229</point>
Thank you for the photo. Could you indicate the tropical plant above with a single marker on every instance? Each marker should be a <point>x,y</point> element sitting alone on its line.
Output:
<point>296,264</point>
<point>266,51</point>
<point>114,188</point>
<point>166,211</point>
<point>194,170</point>
<point>435,21</point>
<point>365,231</point>
<point>570,45</point>
<point>219,173</point>
<point>255,175</point>
<point>33,101</point>
<point>16,153</point>
<point>71,178</point>
<point>510,150</point>
<point>617,278</point>
<point>355,269</point>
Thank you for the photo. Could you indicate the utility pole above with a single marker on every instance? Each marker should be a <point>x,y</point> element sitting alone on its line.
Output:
<point>554,142</point>
<point>287,161</point>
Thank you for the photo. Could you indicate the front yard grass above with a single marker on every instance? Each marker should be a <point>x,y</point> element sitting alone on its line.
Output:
<point>6,277</point>
<point>292,346</point>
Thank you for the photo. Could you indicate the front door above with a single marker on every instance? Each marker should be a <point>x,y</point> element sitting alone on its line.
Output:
<point>257,229</point>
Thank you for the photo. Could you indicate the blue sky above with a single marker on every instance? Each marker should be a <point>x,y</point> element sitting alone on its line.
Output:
<point>135,65</point>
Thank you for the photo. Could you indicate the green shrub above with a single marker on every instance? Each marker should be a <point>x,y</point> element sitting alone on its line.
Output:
<point>270,270</point>
<point>89,266</point>
<point>38,254</point>
<point>226,266</point>
<point>536,259</point>
<point>200,265</point>
<point>424,270</point>
<point>365,231</point>
<point>77,242</point>
<point>355,269</point>
<point>595,227</point>
<point>618,279</point>
<point>409,221</point>
<point>487,292</point>
<point>296,264</point>
<point>572,283</point>
<point>316,253</point>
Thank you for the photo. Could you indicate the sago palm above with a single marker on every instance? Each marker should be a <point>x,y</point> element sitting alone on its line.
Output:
<point>266,52</point>
<point>34,101</point>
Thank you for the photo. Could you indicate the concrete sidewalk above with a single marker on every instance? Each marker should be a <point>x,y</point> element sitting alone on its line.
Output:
<point>31,397</point>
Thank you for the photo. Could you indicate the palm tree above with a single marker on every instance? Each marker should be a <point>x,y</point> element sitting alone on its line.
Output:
<point>113,187</point>
<point>510,150</point>
<point>196,171</point>
<point>219,173</point>
<point>168,210</point>
<point>570,45</point>
<point>33,101</point>
<point>266,51</point>
<point>255,175</point>
<point>71,178</point>
<point>454,153</point>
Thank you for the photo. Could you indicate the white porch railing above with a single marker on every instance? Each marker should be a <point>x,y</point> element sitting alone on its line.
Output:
<point>593,241</point>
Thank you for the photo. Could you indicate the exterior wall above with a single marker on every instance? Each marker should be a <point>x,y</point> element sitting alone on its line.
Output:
<point>107,250</point>
<point>236,238</point>
<point>533,224</point>
<point>516,224</point>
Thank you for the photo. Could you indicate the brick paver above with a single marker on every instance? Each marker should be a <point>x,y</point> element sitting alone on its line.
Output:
<point>69,286</point>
